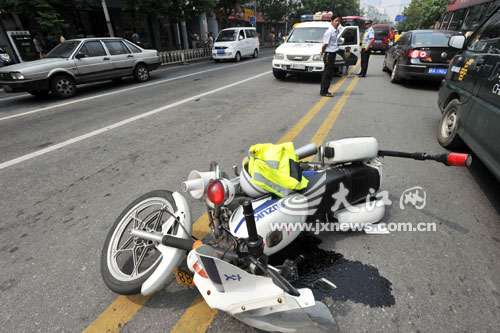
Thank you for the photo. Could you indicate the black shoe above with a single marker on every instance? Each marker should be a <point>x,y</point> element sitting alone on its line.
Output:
<point>363,75</point>
<point>359,74</point>
<point>326,95</point>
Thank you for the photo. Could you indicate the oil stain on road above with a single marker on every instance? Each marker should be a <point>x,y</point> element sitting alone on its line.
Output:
<point>355,281</point>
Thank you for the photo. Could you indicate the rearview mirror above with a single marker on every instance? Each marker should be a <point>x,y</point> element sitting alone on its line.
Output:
<point>80,55</point>
<point>240,37</point>
<point>341,41</point>
<point>457,42</point>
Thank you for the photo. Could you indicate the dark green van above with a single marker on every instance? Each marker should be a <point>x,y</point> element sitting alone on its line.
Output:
<point>469,96</point>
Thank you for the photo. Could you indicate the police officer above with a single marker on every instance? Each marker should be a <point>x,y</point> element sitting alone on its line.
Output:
<point>329,49</point>
<point>368,38</point>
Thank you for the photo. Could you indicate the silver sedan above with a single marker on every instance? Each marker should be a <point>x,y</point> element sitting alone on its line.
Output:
<point>79,61</point>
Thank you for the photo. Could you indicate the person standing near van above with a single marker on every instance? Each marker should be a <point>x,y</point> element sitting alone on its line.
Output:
<point>329,50</point>
<point>368,39</point>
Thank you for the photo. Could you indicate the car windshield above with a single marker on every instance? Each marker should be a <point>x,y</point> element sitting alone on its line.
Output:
<point>307,35</point>
<point>63,50</point>
<point>430,39</point>
<point>227,35</point>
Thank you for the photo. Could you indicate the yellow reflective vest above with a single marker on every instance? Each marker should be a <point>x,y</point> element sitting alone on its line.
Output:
<point>275,168</point>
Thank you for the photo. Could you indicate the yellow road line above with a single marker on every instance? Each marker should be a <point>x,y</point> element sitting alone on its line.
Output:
<point>199,315</point>
<point>327,125</point>
<point>299,126</point>
<point>117,314</point>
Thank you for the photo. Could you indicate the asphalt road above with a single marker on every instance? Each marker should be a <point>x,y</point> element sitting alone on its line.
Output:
<point>68,168</point>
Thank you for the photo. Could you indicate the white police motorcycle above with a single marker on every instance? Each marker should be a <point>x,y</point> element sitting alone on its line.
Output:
<point>147,245</point>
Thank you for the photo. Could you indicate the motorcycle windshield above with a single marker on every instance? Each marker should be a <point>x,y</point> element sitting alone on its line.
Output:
<point>317,318</point>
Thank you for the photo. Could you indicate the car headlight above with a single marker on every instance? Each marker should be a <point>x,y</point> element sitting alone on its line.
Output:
<point>17,76</point>
<point>317,57</point>
<point>279,56</point>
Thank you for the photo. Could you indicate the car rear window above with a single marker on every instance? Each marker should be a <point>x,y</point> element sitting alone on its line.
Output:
<point>381,31</point>
<point>133,48</point>
<point>430,39</point>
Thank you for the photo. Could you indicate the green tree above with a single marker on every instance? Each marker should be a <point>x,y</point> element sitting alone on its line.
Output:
<point>226,7</point>
<point>273,9</point>
<point>422,14</point>
<point>340,7</point>
<point>40,11</point>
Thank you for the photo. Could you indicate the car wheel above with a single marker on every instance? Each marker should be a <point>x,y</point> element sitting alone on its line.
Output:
<point>384,66</point>
<point>141,73</point>
<point>394,75</point>
<point>279,75</point>
<point>255,53</point>
<point>237,57</point>
<point>63,86</point>
<point>448,126</point>
<point>39,93</point>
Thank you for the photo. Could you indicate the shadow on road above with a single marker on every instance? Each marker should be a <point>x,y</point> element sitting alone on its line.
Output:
<point>486,180</point>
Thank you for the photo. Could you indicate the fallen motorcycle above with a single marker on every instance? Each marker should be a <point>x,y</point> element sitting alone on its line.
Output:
<point>147,245</point>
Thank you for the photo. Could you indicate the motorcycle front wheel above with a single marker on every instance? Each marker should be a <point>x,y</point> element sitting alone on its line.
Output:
<point>127,261</point>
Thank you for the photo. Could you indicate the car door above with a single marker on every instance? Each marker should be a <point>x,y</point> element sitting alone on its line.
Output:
<point>242,42</point>
<point>350,46</point>
<point>483,119</point>
<point>401,49</point>
<point>122,58</point>
<point>92,61</point>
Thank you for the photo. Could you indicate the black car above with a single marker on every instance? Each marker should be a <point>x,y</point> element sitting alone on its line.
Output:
<point>420,54</point>
<point>469,96</point>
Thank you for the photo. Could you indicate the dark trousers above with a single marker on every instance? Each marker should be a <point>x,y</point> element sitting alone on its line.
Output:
<point>365,56</point>
<point>329,60</point>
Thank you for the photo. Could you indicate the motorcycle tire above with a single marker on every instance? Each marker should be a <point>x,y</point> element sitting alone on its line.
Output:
<point>123,256</point>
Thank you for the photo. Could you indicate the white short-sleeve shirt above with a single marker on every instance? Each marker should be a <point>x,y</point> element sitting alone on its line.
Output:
<point>330,38</point>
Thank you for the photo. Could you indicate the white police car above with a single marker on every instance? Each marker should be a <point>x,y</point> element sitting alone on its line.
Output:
<point>300,52</point>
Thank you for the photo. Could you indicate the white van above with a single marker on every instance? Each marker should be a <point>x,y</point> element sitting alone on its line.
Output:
<point>235,43</point>
<point>300,52</point>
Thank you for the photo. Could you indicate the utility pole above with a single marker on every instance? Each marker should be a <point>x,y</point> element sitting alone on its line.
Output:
<point>108,20</point>
<point>255,13</point>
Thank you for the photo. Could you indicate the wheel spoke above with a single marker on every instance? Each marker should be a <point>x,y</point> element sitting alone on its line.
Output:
<point>123,247</point>
<point>138,261</point>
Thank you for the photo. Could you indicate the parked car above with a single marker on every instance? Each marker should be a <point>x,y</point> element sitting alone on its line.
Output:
<point>420,54</point>
<point>80,61</point>
<point>235,43</point>
<point>381,41</point>
<point>469,96</point>
<point>300,52</point>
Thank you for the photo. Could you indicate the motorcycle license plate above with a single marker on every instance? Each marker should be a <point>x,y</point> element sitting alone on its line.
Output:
<point>438,70</point>
<point>184,277</point>
<point>378,41</point>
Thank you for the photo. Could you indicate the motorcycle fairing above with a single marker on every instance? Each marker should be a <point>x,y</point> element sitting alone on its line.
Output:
<point>171,257</point>
<point>256,300</point>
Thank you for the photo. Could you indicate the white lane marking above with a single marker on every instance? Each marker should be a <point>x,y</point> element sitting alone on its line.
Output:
<point>126,89</point>
<point>121,123</point>
<point>12,97</point>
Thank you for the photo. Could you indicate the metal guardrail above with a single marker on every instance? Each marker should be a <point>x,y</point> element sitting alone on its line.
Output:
<point>178,56</point>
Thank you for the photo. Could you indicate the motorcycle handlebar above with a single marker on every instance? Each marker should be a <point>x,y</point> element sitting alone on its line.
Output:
<point>449,159</point>
<point>306,151</point>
